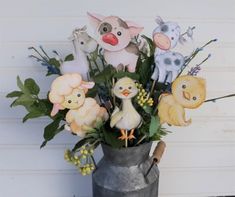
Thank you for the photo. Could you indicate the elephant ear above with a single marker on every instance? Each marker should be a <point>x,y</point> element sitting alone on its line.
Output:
<point>95,19</point>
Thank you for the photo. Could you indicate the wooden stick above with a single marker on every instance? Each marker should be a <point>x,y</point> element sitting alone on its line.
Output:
<point>218,98</point>
<point>126,140</point>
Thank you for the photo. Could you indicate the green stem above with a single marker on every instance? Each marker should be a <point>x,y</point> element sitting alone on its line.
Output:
<point>32,48</point>
<point>194,55</point>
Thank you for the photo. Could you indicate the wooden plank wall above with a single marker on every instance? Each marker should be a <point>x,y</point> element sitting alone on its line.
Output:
<point>200,159</point>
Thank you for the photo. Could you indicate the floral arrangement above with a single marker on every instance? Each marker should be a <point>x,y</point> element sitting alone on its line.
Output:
<point>118,88</point>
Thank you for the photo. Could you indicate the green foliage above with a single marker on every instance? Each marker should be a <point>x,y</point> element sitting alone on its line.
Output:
<point>144,69</point>
<point>69,57</point>
<point>150,43</point>
<point>154,125</point>
<point>31,86</point>
<point>105,76</point>
<point>36,107</point>
<point>111,138</point>
<point>121,74</point>
<point>52,129</point>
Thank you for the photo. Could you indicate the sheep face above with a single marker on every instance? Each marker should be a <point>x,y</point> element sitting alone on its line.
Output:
<point>74,100</point>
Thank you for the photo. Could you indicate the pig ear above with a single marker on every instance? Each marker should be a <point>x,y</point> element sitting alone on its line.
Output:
<point>134,29</point>
<point>95,19</point>
<point>87,85</point>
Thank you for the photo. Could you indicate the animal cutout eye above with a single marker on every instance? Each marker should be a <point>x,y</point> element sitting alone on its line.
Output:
<point>69,101</point>
<point>119,33</point>
<point>184,86</point>
<point>78,95</point>
<point>105,29</point>
<point>194,98</point>
<point>129,87</point>
<point>120,88</point>
<point>164,28</point>
<point>172,38</point>
<point>82,42</point>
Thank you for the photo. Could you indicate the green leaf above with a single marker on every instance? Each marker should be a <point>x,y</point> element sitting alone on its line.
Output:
<point>31,86</point>
<point>92,92</point>
<point>69,57</point>
<point>52,129</point>
<point>148,109</point>
<point>14,94</point>
<point>122,74</point>
<point>80,143</point>
<point>144,69</point>
<point>20,83</point>
<point>154,125</point>
<point>33,114</point>
<point>111,138</point>
<point>150,43</point>
<point>24,99</point>
<point>55,62</point>
<point>105,75</point>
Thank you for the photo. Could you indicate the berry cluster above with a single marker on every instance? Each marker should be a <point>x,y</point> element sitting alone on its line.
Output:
<point>83,160</point>
<point>143,97</point>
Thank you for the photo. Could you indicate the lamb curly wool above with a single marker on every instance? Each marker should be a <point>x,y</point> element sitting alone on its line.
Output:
<point>63,86</point>
<point>86,117</point>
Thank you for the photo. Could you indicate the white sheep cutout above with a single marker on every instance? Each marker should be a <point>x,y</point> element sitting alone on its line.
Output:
<point>68,91</point>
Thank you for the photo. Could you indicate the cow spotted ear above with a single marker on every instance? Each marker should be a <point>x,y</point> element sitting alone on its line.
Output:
<point>95,19</point>
<point>134,29</point>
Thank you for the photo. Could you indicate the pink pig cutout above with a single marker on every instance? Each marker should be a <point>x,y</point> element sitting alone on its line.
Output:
<point>114,35</point>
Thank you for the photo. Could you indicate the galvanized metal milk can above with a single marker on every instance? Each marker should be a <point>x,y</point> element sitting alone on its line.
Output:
<point>124,173</point>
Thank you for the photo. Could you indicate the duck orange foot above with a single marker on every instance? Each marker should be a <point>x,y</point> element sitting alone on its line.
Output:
<point>125,135</point>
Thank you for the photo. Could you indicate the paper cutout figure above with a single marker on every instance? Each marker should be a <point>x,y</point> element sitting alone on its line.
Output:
<point>168,66</point>
<point>64,90</point>
<point>85,118</point>
<point>126,118</point>
<point>187,92</point>
<point>114,36</point>
<point>68,91</point>
<point>83,45</point>
<point>167,63</point>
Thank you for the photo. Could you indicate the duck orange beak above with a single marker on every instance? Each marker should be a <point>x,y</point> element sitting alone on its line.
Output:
<point>186,95</point>
<point>126,92</point>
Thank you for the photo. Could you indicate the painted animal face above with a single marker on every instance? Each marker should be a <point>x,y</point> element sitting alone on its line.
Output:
<point>189,91</point>
<point>86,43</point>
<point>125,88</point>
<point>112,33</point>
<point>166,35</point>
<point>172,61</point>
<point>74,100</point>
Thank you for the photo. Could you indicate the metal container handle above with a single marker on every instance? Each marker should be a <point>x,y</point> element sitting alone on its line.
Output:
<point>158,152</point>
<point>157,155</point>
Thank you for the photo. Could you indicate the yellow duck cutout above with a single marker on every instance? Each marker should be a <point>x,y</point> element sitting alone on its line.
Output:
<point>187,92</point>
<point>127,118</point>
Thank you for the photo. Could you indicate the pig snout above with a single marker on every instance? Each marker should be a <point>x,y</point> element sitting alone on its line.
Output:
<point>110,38</point>
<point>162,41</point>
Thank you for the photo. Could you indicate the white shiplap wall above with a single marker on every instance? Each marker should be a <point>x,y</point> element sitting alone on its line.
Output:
<point>200,159</point>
